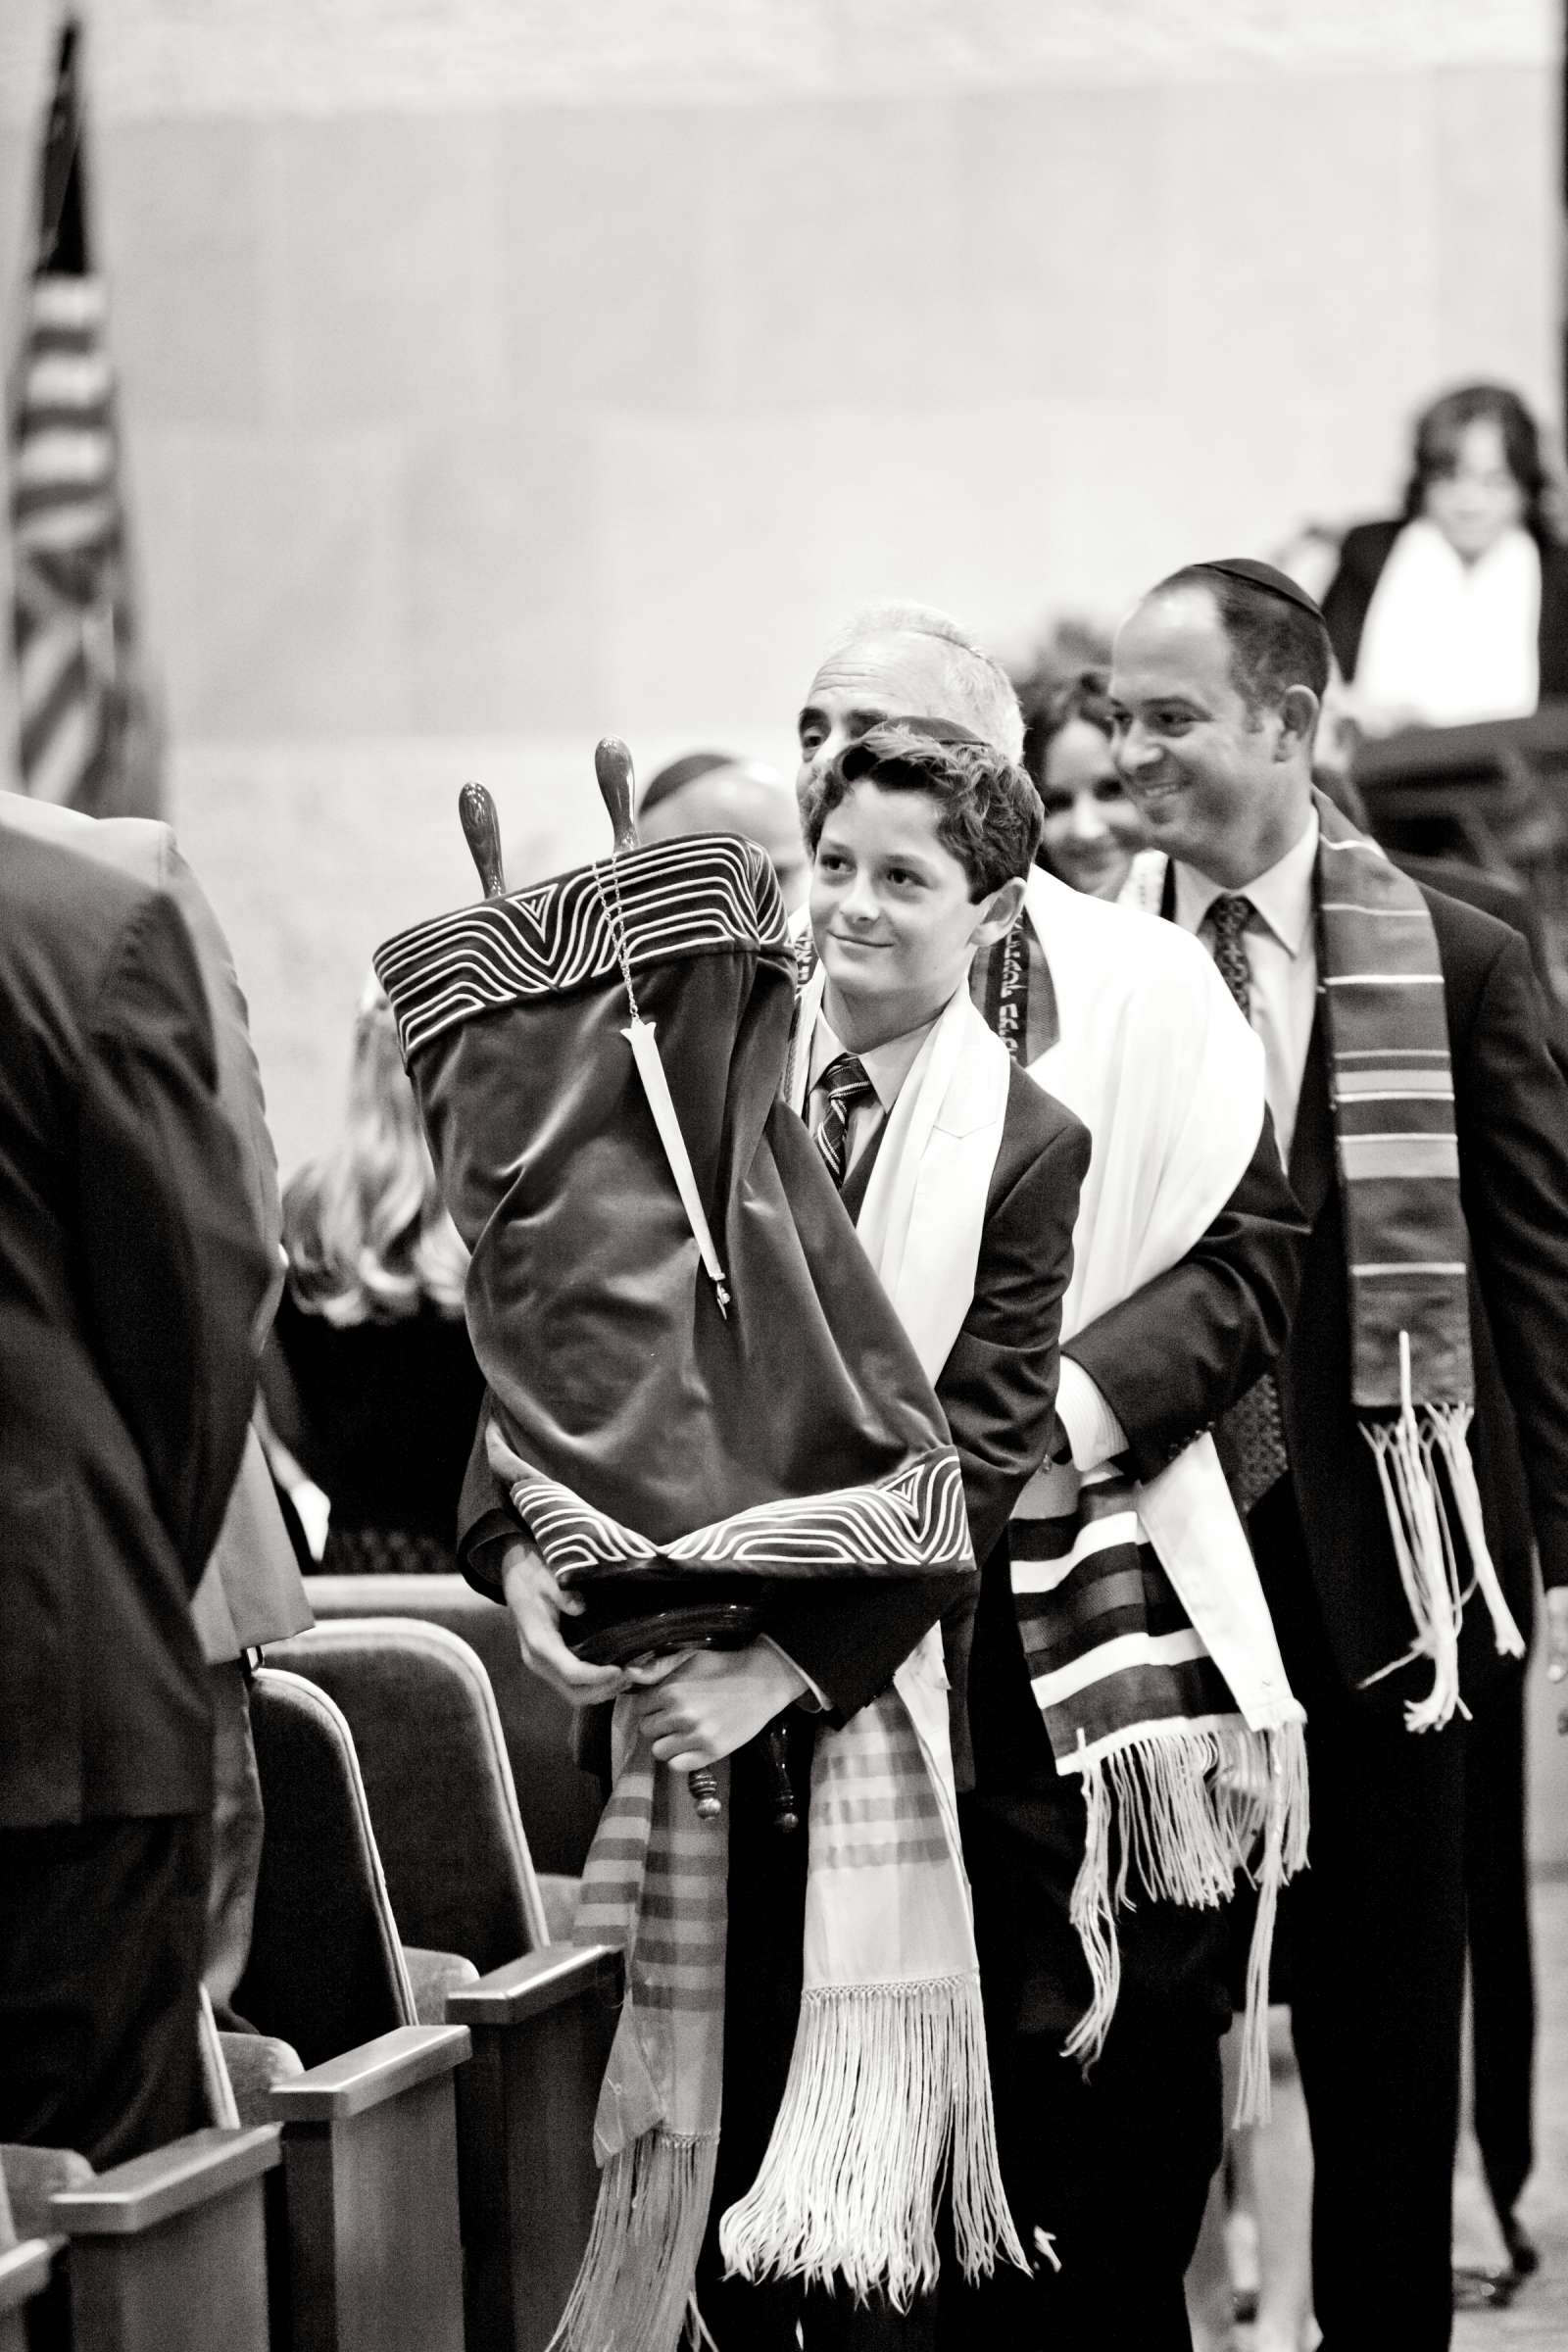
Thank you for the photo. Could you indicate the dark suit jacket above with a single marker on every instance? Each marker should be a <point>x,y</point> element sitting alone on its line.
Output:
<point>1173,1355</point>
<point>998,1390</point>
<point>1363,553</point>
<point>252,1591</point>
<point>130,1277</point>
<point>1512,1112</point>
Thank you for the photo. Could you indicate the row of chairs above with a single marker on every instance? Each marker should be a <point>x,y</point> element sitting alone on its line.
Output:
<point>401,2157</point>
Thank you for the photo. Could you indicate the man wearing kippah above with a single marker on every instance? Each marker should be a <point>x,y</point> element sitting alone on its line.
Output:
<point>1125,1687</point>
<point>1423,1124</point>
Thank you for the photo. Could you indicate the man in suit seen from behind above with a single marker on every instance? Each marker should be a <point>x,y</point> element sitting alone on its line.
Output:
<point>130,1280</point>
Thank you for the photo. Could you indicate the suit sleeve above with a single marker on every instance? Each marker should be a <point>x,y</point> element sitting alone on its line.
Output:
<point>1170,1358</point>
<point>998,1390</point>
<point>1512,1118</point>
<point>173,1268</point>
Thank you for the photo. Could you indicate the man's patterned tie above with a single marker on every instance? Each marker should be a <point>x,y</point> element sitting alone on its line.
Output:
<point>1252,1434</point>
<point>845,1084</point>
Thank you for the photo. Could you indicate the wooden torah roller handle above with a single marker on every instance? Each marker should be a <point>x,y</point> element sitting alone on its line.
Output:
<point>612,767</point>
<point>708,1805</point>
<point>481,830</point>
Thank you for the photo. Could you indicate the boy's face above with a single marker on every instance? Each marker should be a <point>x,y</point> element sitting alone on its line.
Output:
<point>890,914</point>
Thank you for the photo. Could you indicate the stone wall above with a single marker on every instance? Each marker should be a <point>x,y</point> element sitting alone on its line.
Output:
<point>497,374</point>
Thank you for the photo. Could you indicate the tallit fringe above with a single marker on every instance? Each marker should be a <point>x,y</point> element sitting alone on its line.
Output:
<point>1189,1809</point>
<point>1094,1921</point>
<point>1286,1825</point>
<point>1424,1547</point>
<point>888,2092</point>
<point>1450,1426</point>
<point>633,2290</point>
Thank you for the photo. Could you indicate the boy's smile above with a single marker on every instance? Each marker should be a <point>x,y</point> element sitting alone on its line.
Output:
<point>891,916</point>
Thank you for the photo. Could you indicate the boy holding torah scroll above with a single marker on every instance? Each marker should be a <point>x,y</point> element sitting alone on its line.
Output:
<point>802,2059</point>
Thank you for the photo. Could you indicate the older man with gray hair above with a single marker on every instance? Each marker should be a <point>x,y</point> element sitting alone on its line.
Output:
<point>1187,1250</point>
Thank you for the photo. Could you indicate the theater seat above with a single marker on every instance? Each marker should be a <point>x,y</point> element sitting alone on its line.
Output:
<point>438,1779</point>
<point>558,1803</point>
<point>326,1969</point>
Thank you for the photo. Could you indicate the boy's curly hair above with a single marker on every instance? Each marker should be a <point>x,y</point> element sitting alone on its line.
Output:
<point>988,811</point>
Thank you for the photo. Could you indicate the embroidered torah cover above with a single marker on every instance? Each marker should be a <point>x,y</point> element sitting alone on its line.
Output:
<point>788,1433</point>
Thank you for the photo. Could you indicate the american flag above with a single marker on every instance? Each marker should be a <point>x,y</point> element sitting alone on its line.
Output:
<point>86,730</point>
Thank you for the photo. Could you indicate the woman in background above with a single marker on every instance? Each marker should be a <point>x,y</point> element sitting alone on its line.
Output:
<point>1458,611</point>
<point>1091,829</point>
<point>370,1380</point>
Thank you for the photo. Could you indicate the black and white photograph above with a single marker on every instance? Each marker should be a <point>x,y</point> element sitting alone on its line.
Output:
<point>783,1176</point>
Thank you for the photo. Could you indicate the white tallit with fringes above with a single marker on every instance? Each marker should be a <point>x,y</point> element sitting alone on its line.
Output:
<point>1209,1783</point>
<point>1155,1058</point>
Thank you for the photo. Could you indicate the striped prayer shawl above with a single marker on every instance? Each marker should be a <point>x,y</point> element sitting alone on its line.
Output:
<point>1406,1246</point>
<point>888,2092</point>
<point>1181,1797</point>
<point>1110,1644</point>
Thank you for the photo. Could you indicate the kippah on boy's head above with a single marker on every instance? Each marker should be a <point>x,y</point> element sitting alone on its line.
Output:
<point>988,814</point>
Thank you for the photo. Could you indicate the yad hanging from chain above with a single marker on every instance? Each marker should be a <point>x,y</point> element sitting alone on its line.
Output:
<point>612,767</point>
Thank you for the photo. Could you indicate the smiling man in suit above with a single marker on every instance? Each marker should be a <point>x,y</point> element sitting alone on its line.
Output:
<point>1425,1129</point>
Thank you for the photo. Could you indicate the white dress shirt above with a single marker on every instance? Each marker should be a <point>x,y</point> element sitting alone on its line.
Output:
<point>1281,947</point>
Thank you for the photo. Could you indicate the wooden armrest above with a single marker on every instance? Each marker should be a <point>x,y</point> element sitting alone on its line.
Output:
<point>540,1982</point>
<point>149,2190</point>
<point>24,2268</point>
<point>364,2077</point>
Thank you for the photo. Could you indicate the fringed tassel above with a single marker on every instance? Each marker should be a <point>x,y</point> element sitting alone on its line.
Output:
<point>634,2288</point>
<point>1423,1554</point>
<point>1286,1825</point>
<point>1095,1921</point>
<point>1448,1426</point>
<point>888,2090</point>
<point>1189,1808</point>
<point>1178,1829</point>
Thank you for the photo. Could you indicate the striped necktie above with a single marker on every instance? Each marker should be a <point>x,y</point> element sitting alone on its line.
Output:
<point>1252,1434</point>
<point>845,1084</point>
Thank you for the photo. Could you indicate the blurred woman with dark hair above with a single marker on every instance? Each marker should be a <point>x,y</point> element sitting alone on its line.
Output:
<point>1459,610</point>
<point>370,1380</point>
<point>1091,829</point>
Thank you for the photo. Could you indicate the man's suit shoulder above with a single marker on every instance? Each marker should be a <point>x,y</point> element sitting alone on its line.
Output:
<point>1469,939</point>
<point>79,907</point>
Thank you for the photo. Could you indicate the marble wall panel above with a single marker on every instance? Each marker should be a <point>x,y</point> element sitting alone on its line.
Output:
<point>1301,239</point>
<point>383,261</point>
<point>276,572</point>
<point>1060,242</point>
<point>604,226</point>
<point>178,213</point>
<point>503,617</point>
<point>788,524</point>
<point>1498,165</point>
<point>842,270</point>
